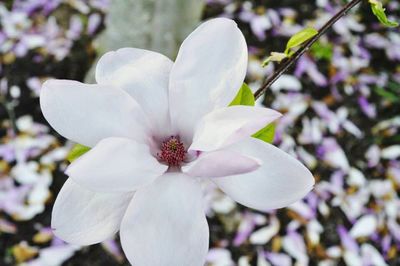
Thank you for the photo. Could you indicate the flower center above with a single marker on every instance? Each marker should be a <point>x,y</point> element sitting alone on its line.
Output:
<point>172,151</point>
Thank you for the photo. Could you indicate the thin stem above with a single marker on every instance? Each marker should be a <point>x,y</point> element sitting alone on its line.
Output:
<point>282,68</point>
<point>9,108</point>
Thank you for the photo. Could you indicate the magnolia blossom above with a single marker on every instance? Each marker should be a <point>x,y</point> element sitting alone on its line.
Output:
<point>156,129</point>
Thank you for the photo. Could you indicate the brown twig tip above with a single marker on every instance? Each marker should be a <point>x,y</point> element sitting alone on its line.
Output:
<point>284,66</point>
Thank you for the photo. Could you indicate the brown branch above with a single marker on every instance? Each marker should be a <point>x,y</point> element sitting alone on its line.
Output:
<point>282,68</point>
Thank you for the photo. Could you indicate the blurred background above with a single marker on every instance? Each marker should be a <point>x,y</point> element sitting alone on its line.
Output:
<point>342,117</point>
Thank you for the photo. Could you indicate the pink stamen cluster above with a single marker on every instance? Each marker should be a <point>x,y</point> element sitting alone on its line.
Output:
<point>172,151</point>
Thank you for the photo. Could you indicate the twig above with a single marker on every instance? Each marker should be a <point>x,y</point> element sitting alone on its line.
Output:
<point>282,68</point>
<point>9,108</point>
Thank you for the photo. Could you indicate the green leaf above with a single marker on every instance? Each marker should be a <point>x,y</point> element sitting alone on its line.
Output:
<point>274,56</point>
<point>296,40</point>
<point>379,12</point>
<point>299,38</point>
<point>266,134</point>
<point>77,151</point>
<point>244,96</point>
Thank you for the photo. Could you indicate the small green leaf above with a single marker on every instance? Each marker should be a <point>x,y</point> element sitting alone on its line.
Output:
<point>274,56</point>
<point>293,42</point>
<point>77,151</point>
<point>244,96</point>
<point>266,134</point>
<point>299,38</point>
<point>379,12</point>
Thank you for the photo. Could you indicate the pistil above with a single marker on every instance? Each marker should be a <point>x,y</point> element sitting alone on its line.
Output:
<point>172,151</point>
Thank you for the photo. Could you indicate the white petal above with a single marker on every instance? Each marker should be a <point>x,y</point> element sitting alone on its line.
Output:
<point>144,75</point>
<point>221,163</point>
<point>208,72</point>
<point>116,164</point>
<point>165,224</point>
<point>372,256</point>
<point>88,113</point>
<point>263,235</point>
<point>364,227</point>
<point>228,125</point>
<point>280,181</point>
<point>84,217</point>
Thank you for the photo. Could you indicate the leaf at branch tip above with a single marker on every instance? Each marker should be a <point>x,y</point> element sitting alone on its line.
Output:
<point>244,96</point>
<point>275,57</point>
<point>299,38</point>
<point>77,151</point>
<point>266,134</point>
<point>379,12</point>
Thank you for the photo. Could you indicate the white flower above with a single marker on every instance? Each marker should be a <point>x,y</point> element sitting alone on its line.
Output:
<point>156,128</point>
